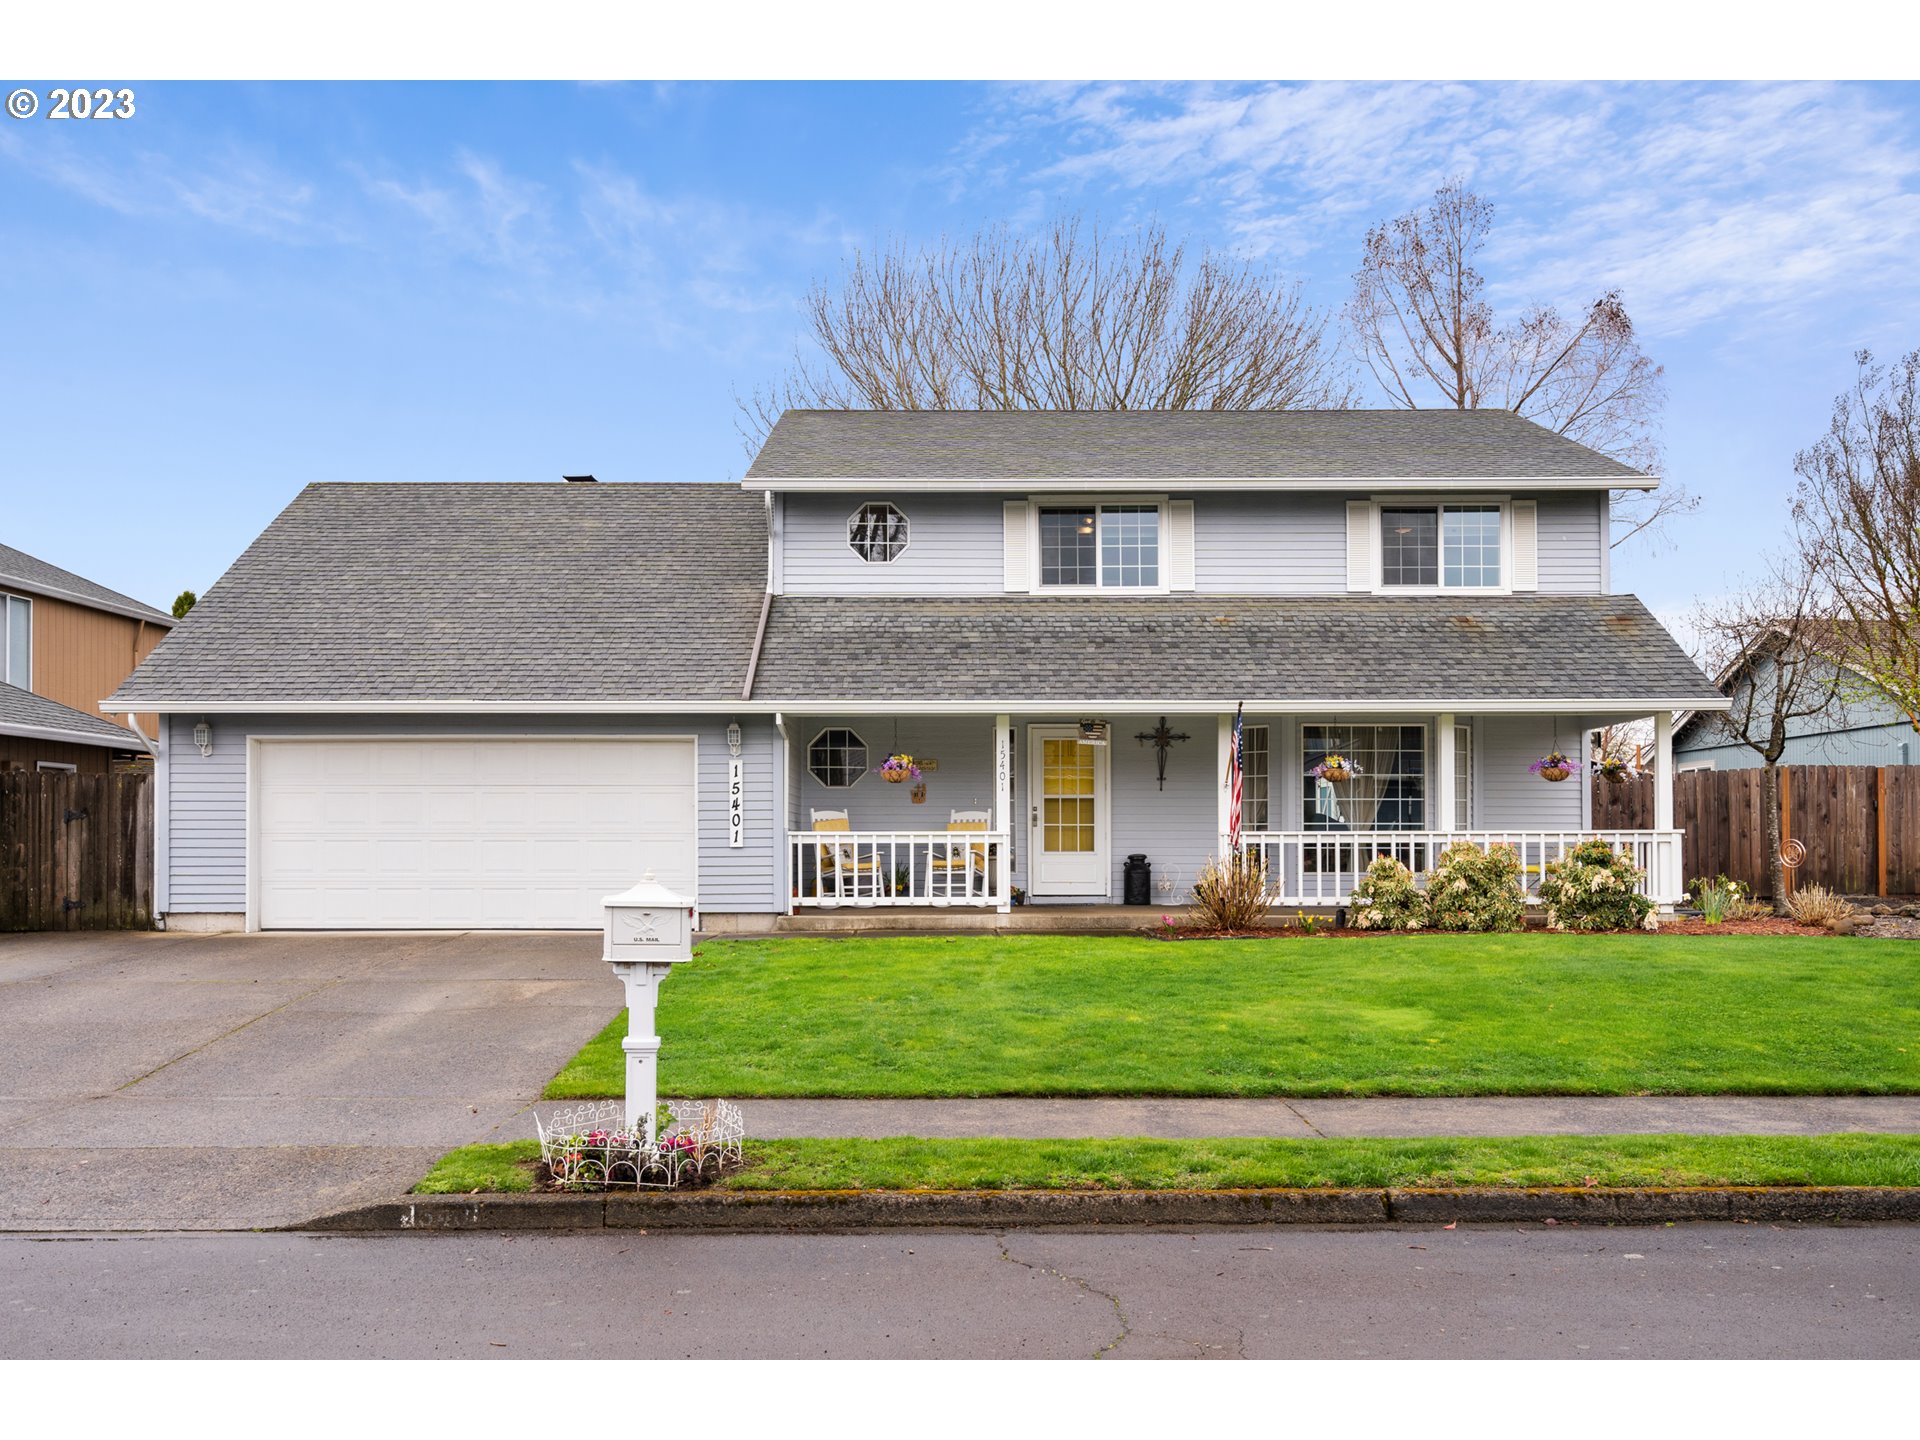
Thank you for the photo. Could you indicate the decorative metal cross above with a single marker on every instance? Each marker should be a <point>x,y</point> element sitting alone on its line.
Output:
<point>1162,737</point>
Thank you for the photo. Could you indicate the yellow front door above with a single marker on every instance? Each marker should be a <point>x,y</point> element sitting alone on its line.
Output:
<point>1068,813</point>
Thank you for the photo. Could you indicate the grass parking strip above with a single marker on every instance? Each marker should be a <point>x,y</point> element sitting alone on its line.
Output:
<point>1151,1164</point>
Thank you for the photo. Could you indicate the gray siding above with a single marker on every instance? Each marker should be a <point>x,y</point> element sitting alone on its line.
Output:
<point>953,547</point>
<point>1509,796</point>
<point>1572,544</point>
<point>1272,543</point>
<point>962,744</point>
<point>205,821</point>
<point>1856,729</point>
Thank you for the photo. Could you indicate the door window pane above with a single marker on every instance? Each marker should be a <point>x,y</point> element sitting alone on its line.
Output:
<point>1410,547</point>
<point>1066,797</point>
<point>1470,545</point>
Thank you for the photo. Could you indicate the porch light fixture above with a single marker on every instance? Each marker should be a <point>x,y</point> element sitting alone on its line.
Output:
<point>1093,732</point>
<point>733,737</point>
<point>203,737</point>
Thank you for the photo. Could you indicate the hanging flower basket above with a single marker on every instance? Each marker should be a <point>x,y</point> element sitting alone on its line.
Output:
<point>1553,766</point>
<point>1615,772</point>
<point>898,769</point>
<point>1335,768</point>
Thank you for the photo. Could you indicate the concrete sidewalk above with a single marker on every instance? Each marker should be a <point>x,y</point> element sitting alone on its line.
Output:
<point>1304,1119</point>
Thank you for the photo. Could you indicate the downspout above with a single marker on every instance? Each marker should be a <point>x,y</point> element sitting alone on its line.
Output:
<point>759,638</point>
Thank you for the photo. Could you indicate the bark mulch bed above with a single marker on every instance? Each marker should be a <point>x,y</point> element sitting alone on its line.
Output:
<point>1675,925</point>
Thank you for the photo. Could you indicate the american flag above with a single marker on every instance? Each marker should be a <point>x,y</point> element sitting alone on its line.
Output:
<point>1233,784</point>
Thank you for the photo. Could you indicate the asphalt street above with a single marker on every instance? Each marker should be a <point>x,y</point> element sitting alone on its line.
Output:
<point>1725,1291</point>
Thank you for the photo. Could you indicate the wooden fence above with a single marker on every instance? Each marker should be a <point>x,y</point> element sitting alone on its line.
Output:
<point>1860,823</point>
<point>76,851</point>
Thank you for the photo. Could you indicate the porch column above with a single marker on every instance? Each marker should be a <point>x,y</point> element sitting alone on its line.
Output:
<point>1225,811</point>
<point>1670,886</point>
<point>1663,769</point>
<point>1003,810</point>
<point>1445,801</point>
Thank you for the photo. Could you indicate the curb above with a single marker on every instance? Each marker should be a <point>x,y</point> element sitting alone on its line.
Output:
<point>843,1210</point>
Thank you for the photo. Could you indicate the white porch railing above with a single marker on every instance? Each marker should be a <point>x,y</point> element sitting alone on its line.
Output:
<point>827,868</point>
<point>1321,867</point>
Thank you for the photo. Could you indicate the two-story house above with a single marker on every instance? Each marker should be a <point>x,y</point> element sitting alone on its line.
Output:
<point>472,705</point>
<point>66,644</point>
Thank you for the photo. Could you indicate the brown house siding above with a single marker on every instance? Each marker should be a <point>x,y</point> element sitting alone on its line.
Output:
<point>18,752</point>
<point>80,656</point>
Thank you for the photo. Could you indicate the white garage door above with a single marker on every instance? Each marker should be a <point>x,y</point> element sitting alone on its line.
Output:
<point>466,834</point>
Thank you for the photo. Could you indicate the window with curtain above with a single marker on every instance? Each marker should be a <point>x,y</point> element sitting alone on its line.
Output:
<point>1446,547</point>
<point>16,643</point>
<point>1100,546</point>
<point>1389,793</point>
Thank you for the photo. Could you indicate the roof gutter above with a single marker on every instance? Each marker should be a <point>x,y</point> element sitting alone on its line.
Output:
<point>876,705</point>
<point>130,609</point>
<point>74,737</point>
<point>1021,484</point>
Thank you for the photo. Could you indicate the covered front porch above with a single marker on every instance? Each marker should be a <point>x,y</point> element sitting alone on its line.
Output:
<point>1010,808</point>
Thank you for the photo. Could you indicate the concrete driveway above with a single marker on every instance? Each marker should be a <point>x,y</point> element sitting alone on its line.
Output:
<point>152,1081</point>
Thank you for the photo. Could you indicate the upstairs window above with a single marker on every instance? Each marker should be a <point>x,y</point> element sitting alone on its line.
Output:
<point>16,642</point>
<point>877,533</point>
<point>1440,547</point>
<point>1114,547</point>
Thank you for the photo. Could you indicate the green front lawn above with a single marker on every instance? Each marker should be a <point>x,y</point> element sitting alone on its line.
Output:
<point>1624,1160</point>
<point>1531,1014</point>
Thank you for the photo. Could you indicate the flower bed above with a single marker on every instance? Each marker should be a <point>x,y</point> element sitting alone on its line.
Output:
<point>587,1147</point>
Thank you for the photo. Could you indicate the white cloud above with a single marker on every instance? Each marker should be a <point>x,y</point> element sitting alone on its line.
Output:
<point>1704,203</point>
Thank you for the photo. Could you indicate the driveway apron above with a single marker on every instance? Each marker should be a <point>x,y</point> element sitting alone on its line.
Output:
<point>167,1081</point>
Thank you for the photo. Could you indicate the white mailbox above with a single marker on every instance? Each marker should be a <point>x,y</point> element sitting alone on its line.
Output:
<point>648,930</point>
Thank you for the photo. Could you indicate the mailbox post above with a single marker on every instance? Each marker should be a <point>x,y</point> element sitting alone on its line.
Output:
<point>649,930</point>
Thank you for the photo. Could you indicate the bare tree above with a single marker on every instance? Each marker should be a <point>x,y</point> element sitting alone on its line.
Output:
<point>1768,645</point>
<point>1075,318</point>
<point>1420,320</point>
<point>1857,516</point>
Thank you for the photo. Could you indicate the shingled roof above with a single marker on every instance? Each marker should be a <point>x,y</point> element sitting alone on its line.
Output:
<point>1304,445</point>
<point>1216,650</point>
<point>29,573</point>
<point>35,716</point>
<point>366,592</point>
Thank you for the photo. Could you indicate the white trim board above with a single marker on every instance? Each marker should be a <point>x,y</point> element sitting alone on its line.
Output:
<point>1015,485</point>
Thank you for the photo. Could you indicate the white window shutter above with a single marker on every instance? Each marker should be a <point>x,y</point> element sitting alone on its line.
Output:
<point>1359,545</point>
<point>1019,562</point>
<point>1180,543</point>
<point>1526,545</point>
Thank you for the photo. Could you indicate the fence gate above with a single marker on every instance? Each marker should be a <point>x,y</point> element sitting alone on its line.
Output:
<point>76,851</point>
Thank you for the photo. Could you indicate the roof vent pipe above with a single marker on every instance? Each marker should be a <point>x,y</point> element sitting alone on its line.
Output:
<point>579,479</point>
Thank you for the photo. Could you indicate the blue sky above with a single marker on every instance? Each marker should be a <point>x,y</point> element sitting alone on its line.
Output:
<point>247,287</point>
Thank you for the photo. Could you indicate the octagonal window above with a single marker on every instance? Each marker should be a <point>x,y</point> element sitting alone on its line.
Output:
<point>877,533</point>
<point>837,758</point>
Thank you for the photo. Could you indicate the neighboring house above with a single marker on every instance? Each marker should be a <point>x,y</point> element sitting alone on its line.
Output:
<point>1859,726</point>
<point>66,645</point>
<point>489,705</point>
